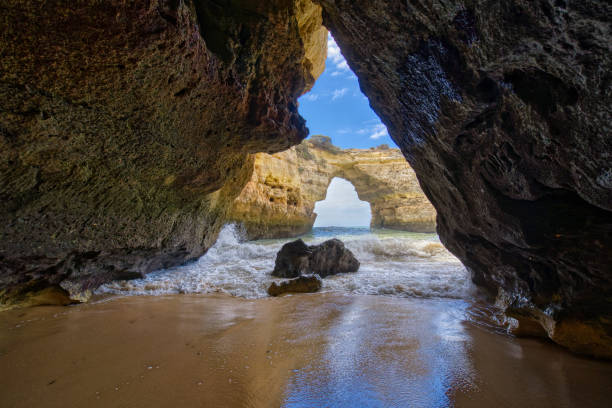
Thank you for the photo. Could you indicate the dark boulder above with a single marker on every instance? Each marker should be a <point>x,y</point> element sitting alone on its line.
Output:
<point>301,284</point>
<point>329,258</point>
<point>292,260</point>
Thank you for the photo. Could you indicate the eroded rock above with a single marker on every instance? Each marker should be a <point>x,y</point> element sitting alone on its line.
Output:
<point>279,199</point>
<point>328,258</point>
<point>503,110</point>
<point>292,260</point>
<point>301,284</point>
<point>125,128</point>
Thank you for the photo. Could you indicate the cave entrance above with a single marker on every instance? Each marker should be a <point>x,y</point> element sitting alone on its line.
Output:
<point>342,207</point>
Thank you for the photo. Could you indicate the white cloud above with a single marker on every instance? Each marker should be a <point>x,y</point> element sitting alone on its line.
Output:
<point>336,73</point>
<point>379,131</point>
<point>334,54</point>
<point>311,97</point>
<point>374,128</point>
<point>343,65</point>
<point>339,93</point>
<point>343,131</point>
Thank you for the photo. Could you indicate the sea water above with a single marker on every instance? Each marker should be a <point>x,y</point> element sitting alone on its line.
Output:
<point>394,263</point>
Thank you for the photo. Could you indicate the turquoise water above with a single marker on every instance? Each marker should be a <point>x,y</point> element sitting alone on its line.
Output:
<point>393,263</point>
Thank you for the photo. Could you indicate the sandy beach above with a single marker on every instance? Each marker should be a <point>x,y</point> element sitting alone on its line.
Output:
<point>323,350</point>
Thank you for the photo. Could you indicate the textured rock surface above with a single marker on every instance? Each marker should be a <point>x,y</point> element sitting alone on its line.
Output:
<point>331,257</point>
<point>292,260</point>
<point>328,258</point>
<point>503,109</point>
<point>279,199</point>
<point>301,284</point>
<point>125,128</point>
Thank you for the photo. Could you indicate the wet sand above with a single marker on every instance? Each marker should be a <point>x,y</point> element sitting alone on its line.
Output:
<point>323,350</point>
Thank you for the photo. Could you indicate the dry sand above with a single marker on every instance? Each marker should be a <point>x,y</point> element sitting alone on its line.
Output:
<point>321,350</point>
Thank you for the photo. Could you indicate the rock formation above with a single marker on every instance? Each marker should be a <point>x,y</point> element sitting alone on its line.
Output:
<point>328,258</point>
<point>125,128</point>
<point>503,109</point>
<point>302,284</point>
<point>279,199</point>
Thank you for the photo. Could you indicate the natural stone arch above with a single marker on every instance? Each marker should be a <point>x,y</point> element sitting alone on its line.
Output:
<point>279,199</point>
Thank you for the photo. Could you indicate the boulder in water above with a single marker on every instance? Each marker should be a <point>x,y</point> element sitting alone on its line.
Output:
<point>332,257</point>
<point>292,260</point>
<point>329,258</point>
<point>301,284</point>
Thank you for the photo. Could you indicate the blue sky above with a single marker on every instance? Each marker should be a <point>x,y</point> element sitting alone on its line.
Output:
<point>342,207</point>
<point>336,107</point>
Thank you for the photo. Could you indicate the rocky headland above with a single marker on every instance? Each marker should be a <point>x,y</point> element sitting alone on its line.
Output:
<point>280,197</point>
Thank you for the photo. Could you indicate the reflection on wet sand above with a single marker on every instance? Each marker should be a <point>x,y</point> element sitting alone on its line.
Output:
<point>321,350</point>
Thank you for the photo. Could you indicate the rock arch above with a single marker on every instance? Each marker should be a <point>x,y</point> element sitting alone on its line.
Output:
<point>279,199</point>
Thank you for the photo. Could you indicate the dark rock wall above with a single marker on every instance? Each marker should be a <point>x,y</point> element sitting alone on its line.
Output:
<point>504,110</point>
<point>125,127</point>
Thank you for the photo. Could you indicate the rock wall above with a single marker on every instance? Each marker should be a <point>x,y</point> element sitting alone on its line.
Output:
<point>125,128</point>
<point>503,109</point>
<point>279,199</point>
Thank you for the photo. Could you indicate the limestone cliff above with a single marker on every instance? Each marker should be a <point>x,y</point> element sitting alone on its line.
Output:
<point>125,128</point>
<point>279,199</point>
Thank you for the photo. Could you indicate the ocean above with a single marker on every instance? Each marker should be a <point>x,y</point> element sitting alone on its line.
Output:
<point>393,263</point>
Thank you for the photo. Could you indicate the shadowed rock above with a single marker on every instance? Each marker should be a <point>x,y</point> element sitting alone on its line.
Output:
<point>301,284</point>
<point>292,260</point>
<point>125,128</point>
<point>329,258</point>
<point>503,111</point>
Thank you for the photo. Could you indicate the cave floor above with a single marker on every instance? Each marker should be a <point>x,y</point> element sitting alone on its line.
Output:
<point>321,350</point>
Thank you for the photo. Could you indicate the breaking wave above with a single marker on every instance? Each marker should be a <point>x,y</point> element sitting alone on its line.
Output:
<point>392,263</point>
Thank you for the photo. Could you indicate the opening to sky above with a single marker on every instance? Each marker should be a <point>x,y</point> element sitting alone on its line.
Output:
<point>342,207</point>
<point>335,107</point>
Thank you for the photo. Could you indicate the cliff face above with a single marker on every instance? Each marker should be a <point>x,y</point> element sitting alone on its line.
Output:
<point>279,199</point>
<point>503,109</point>
<point>125,128</point>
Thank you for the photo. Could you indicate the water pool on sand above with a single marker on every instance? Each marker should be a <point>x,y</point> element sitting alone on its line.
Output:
<point>316,350</point>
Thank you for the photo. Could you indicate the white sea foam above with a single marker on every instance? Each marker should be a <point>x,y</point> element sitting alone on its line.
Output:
<point>392,263</point>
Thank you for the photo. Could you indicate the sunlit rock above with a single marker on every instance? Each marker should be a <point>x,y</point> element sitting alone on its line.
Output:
<point>280,197</point>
